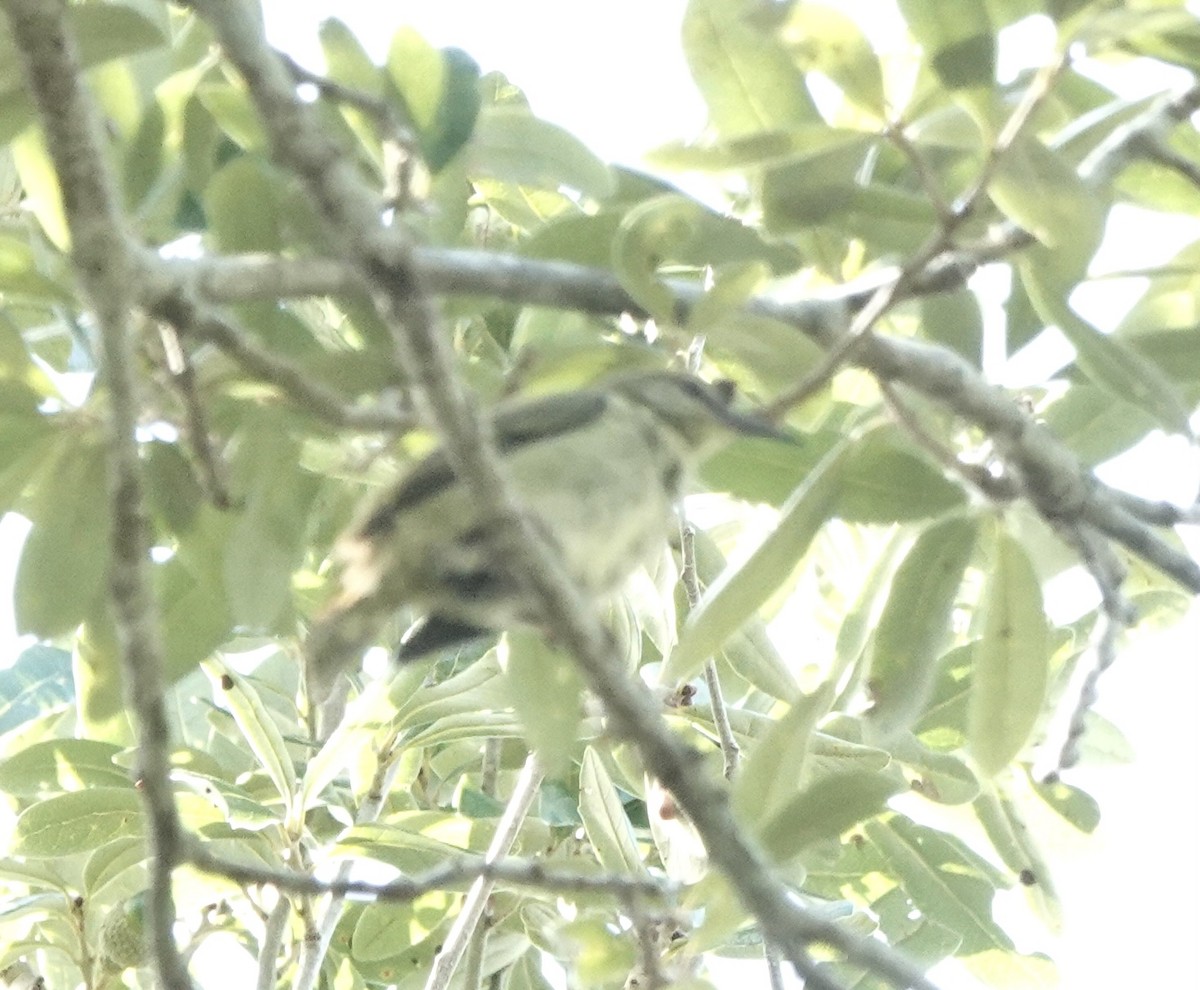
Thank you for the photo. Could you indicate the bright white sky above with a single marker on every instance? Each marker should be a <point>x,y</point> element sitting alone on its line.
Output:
<point>614,75</point>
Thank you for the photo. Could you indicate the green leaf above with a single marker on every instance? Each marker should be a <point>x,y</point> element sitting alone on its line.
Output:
<point>267,540</point>
<point>815,187</point>
<point>472,726</point>
<point>1095,423</point>
<point>885,482</point>
<point>192,602</point>
<point>346,60</point>
<point>65,557</point>
<point>39,681</point>
<point>752,655</point>
<point>236,805</point>
<point>957,38</point>
<point>774,767</point>
<point>411,843</point>
<point>604,819</point>
<point>511,145</point>
<point>39,181</point>
<point>945,880</point>
<point>648,235</point>
<point>1075,806</point>
<point>383,930</point>
<point>418,71</point>
<point>766,470</point>
<point>21,273</point>
<point>97,675</point>
<point>78,821</point>
<point>954,320</point>
<point>478,688</point>
<point>174,494</point>
<point>915,623</point>
<point>117,865</point>
<point>823,39</point>
<point>243,202</point>
<point>144,155</point>
<point>1171,299</point>
<point>440,90</point>
<point>457,112</point>
<point>745,75</point>
<point>547,693</point>
<point>110,31</point>
<point>750,652</point>
<point>1010,836</point>
<point>62,765</point>
<point>940,777</point>
<point>233,111</point>
<point>1007,970</point>
<point>826,809</point>
<point>257,726</point>
<point>102,31</point>
<point>1011,660</point>
<point>1041,192</point>
<point>740,592</point>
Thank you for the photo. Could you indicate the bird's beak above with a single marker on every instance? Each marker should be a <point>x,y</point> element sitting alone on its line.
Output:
<point>751,425</point>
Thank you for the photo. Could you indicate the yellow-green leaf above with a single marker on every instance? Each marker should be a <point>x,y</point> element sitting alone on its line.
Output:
<point>915,624</point>
<point>739,592</point>
<point>825,810</point>
<point>1011,660</point>
<point>604,819</point>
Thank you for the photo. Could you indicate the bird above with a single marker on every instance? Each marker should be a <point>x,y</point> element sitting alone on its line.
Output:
<point>599,470</point>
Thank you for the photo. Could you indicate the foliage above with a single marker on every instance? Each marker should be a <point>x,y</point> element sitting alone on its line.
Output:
<point>901,709</point>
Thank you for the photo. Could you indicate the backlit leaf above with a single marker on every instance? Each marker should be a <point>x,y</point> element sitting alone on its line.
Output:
<point>1011,660</point>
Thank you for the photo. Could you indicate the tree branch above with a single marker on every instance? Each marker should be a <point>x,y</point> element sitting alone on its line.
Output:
<point>459,936</point>
<point>397,286</point>
<point>1062,486</point>
<point>450,875</point>
<point>177,308</point>
<point>105,260</point>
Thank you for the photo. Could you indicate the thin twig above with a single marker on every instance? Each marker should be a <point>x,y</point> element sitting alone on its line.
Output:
<point>191,319</point>
<point>997,487</point>
<point>730,750</point>
<point>449,875</point>
<point>268,949</point>
<point>774,970</point>
<point>648,930</point>
<point>179,364</point>
<point>1061,750</point>
<point>515,812</point>
<point>1126,143</point>
<point>315,948</point>
<point>336,91</point>
<point>861,327</point>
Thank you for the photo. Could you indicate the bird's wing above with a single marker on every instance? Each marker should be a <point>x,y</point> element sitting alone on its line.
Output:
<point>433,634</point>
<point>515,426</point>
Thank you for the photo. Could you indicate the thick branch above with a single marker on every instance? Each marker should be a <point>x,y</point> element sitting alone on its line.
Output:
<point>105,261</point>
<point>1056,482</point>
